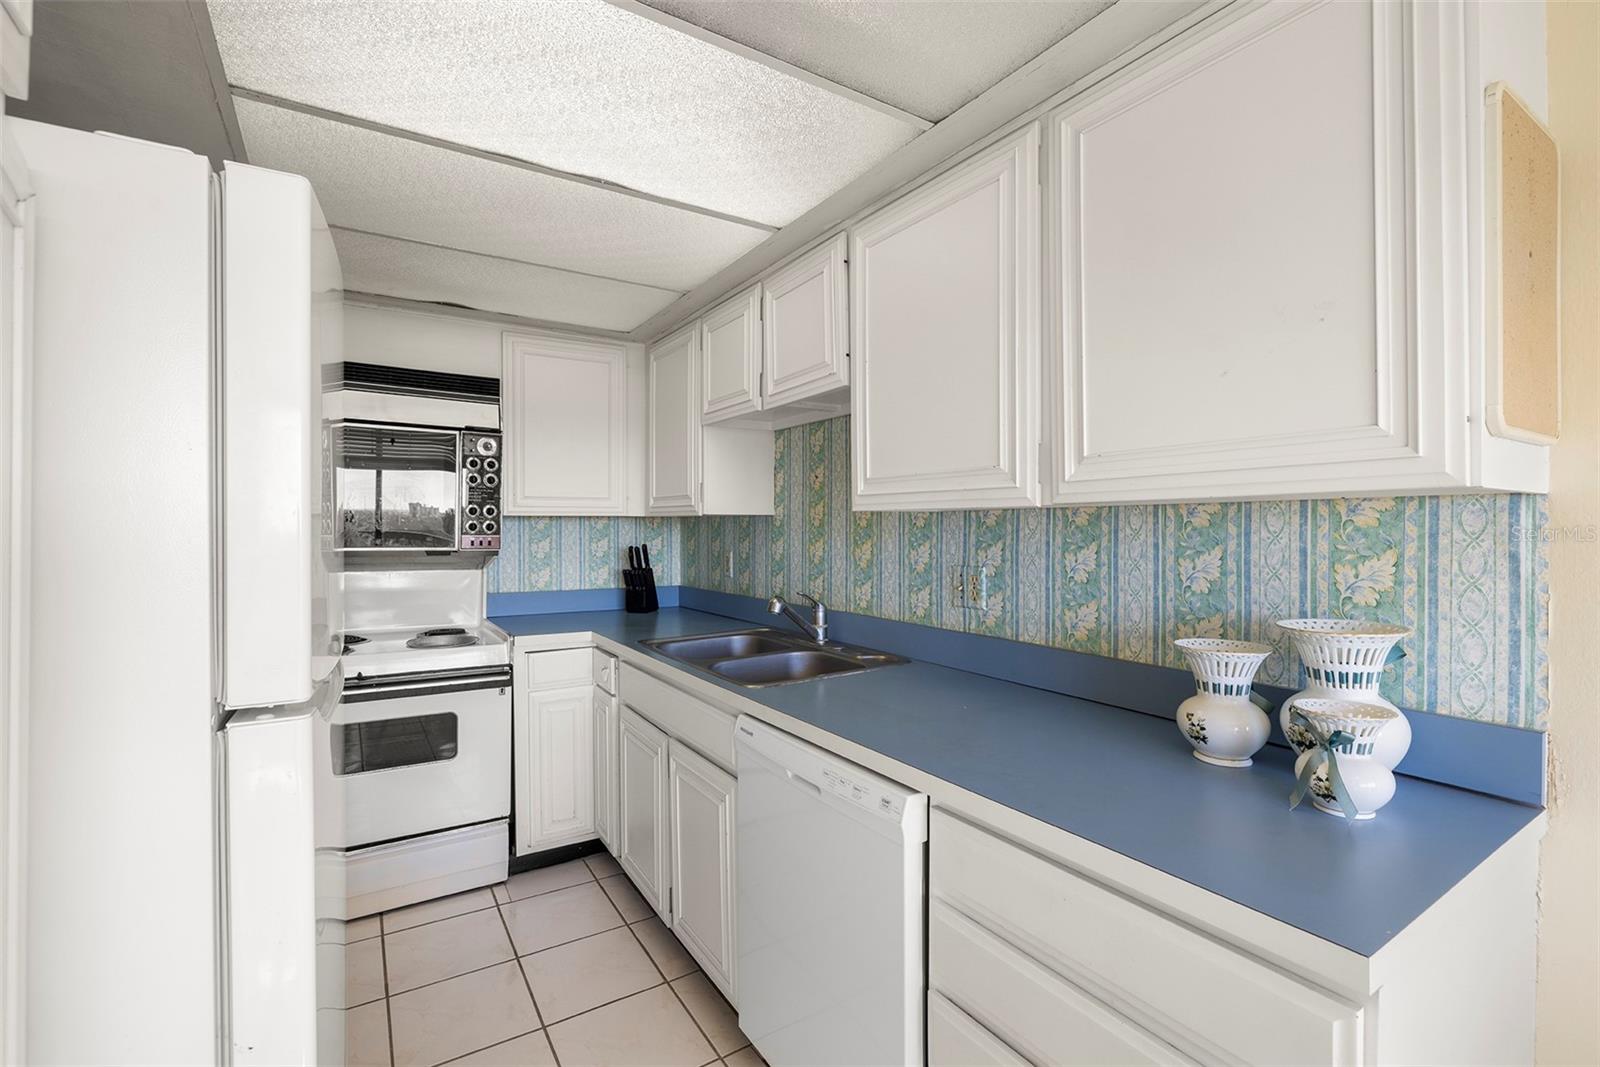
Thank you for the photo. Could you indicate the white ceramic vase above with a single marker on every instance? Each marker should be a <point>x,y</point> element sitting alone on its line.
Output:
<point>1344,660</point>
<point>1220,721</point>
<point>1369,783</point>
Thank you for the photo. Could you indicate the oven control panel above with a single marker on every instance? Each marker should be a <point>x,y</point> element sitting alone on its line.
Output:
<point>481,473</point>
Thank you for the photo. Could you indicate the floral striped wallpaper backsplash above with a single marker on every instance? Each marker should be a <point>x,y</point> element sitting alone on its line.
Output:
<point>1468,573</point>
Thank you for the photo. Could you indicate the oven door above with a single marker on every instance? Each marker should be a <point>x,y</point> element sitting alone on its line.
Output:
<point>397,487</point>
<point>417,753</point>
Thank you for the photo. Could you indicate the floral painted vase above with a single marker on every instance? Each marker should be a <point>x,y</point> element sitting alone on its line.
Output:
<point>1344,660</point>
<point>1368,783</point>
<point>1220,720</point>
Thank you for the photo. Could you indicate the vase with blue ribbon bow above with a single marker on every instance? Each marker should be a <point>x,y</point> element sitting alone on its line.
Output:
<point>1337,768</point>
<point>1345,660</point>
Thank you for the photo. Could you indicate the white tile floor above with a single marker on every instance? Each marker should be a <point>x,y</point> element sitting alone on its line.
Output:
<point>564,966</point>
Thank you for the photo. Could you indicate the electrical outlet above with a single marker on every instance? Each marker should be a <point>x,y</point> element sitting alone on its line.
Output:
<point>969,586</point>
<point>730,563</point>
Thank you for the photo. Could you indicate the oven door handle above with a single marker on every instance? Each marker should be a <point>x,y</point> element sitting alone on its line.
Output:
<point>421,686</point>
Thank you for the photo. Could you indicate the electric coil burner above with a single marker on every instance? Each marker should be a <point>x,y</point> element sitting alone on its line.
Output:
<point>443,637</point>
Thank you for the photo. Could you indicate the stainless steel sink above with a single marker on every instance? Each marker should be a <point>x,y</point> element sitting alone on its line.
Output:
<point>775,668</point>
<point>763,657</point>
<point>722,646</point>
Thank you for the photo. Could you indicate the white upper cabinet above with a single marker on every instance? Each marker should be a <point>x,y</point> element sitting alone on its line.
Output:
<point>674,436</point>
<point>805,327</point>
<point>730,357</point>
<point>694,469</point>
<point>944,287</point>
<point>565,412</point>
<point>1260,283</point>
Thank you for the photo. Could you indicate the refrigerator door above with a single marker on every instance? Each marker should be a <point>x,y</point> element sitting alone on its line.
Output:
<point>281,320</point>
<point>284,934</point>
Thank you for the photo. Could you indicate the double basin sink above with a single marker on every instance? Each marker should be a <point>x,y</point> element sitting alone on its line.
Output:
<point>762,657</point>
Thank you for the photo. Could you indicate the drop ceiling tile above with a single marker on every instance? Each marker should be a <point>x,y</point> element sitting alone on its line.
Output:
<point>391,267</point>
<point>580,86</point>
<point>392,185</point>
<point>927,58</point>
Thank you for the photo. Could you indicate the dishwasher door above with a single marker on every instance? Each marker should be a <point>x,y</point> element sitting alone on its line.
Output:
<point>831,914</point>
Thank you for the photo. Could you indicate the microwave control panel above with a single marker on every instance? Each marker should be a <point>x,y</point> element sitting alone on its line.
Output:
<point>481,472</point>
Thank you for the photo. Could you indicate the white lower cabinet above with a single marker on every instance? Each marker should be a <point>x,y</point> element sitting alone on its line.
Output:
<point>642,814</point>
<point>604,732</point>
<point>1044,1015</point>
<point>552,750</point>
<point>956,1039</point>
<point>1066,971</point>
<point>701,800</point>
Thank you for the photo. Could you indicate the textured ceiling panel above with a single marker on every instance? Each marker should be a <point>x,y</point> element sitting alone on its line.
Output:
<point>385,184</point>
<point>580,86</point>
<point>927,58</point>
<point>391,267</point>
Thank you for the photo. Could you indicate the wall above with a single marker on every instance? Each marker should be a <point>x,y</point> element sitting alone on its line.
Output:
<point>1466,572</point>
<point>1569,874</point>
<point>542,554</point>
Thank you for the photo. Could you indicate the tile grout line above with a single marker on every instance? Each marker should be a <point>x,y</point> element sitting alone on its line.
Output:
<point>388,1015</point>
<point>712,1045</point>
<point>497,1044</point>
<point>518,958</point>
<point>496,903</point>
<point>447,978</point>
<point>537,1014</point>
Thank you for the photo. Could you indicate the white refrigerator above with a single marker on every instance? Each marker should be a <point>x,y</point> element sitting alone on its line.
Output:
<point>181,623</point>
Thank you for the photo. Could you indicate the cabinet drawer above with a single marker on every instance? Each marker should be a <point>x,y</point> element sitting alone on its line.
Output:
<point>569,666</point>
<point>955,1039</point>
<point>1028,1005</point>
<point>605,671</point>
<point>1212,1001</point>
<point>698,725</point>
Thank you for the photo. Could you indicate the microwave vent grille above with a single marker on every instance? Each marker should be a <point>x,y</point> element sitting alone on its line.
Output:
<point>408,381</point>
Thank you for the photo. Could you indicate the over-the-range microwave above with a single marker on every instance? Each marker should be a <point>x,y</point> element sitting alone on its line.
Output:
<point>418,477</point>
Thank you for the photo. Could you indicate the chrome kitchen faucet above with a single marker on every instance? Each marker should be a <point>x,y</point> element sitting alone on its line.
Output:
<point>817,627</point>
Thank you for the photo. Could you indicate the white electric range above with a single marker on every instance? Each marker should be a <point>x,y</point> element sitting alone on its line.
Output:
<point>418,751</point>
<point>425,649</point>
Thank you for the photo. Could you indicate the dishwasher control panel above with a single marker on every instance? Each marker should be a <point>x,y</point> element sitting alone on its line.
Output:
<point>863,794</point>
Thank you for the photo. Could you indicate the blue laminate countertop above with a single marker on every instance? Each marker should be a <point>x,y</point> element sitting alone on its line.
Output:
<point>1126,781</point>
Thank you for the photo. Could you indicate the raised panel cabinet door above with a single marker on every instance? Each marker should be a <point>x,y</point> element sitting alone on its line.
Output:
<point>605,766</point>
<point>673,460</point>
<point>642,843</point>
<point>561,791</point>
<point>565,405</point>
<point>1234,311</point>
<point>701,796</point>
<point>944,294</point>
<point>955,1039</point>
<point>730,357</point>
<point>805,326</point>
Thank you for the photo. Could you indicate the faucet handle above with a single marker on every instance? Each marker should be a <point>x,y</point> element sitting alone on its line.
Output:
<point>819,610</point>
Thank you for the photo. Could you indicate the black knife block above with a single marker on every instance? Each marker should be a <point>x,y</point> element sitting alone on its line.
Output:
<point>639,589</point>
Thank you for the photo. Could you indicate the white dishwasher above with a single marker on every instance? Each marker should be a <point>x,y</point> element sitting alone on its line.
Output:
<point>831,879</point>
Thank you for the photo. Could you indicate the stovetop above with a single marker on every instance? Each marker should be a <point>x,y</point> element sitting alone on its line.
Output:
<point>407,650</point>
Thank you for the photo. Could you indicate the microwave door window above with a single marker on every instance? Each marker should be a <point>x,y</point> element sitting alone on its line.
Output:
<point>396,488</point>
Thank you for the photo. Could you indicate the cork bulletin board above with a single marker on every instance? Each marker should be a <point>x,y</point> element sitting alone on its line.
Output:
<point>1522,269</point>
